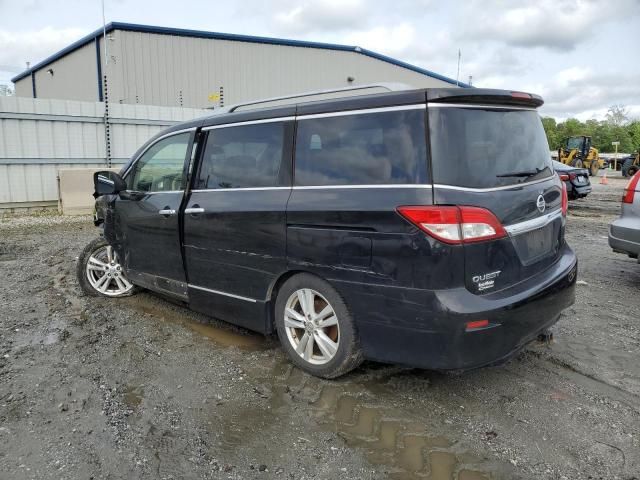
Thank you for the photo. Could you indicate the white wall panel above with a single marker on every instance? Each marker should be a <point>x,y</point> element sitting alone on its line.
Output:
<point>161,69</point>
<point>39,136</point>
<point>75,76</point>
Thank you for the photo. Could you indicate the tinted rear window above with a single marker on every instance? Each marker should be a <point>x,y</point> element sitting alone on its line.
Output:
<point>362,149</point>
<point>479,148</point>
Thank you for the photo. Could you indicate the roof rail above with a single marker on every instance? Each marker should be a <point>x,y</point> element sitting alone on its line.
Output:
<point>390,87</point>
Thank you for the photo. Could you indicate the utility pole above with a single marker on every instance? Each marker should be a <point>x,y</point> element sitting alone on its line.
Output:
<point>105,89</point>
<point>458,74</point>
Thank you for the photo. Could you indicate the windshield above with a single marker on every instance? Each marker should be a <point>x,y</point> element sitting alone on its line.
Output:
<point>574,142</point>
<point>487,147</point>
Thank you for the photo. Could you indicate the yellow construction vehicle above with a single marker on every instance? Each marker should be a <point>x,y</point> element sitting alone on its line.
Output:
<point>578,152</point>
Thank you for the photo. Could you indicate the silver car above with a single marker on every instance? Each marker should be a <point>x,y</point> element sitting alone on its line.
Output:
<point>624,232</point>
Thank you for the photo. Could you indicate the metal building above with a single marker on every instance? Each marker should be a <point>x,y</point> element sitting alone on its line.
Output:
<point>175,67</point>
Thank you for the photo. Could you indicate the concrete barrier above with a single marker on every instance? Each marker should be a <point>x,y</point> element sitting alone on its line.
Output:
<point>75,190</point>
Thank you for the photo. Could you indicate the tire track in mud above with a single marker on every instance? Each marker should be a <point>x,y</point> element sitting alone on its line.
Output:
<point>390,437</point>
<point>587,381</point>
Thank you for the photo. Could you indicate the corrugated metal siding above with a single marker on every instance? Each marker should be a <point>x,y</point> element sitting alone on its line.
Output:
<point>165,70</point>
<point>172,70</point>
<point>75,77</point>
<point>23,87</point>
<point>37,137</point>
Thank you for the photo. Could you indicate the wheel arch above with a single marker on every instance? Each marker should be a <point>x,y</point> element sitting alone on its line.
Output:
<point>272,294</point>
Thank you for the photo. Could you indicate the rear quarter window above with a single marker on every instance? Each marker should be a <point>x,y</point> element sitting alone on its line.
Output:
<point>362,149</point>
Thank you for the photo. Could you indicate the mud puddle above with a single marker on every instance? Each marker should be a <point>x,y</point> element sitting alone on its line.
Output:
<point>226,337</point>
<point>11,252</point>
<point>133,395</point>
<point>55,331</point>
<point>399,442</point>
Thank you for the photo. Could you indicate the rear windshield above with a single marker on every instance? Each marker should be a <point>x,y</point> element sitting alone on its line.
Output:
<point>487,147</point>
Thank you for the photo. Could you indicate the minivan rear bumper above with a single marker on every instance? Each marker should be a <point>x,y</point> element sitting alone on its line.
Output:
<point>427,329</point>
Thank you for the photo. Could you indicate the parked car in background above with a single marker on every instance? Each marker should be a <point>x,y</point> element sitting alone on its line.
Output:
<point>424,227</point>
<point>575,179</point>
<point>624,232</point>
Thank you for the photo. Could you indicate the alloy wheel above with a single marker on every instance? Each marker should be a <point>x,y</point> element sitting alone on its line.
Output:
<point>105,273</point>
<point>312,326</point>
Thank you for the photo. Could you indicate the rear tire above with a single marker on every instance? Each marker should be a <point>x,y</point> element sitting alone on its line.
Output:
<point>99,271</point>
<point>577,163</point>
<point>626,166</point>
<point>316,328</point>
<point>594,168</point>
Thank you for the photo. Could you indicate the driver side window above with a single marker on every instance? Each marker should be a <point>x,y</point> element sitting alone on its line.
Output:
<point>161,168</point>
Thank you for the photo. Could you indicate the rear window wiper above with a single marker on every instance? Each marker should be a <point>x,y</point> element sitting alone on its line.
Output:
<point>522,173</point>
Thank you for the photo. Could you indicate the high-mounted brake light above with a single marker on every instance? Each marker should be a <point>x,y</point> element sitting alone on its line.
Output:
<point>521,95</point>
<point>455,225</point>
<point>630,189</point>
<point>565,200</point>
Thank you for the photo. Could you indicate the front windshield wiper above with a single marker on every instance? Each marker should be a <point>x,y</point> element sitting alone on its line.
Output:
<point>522,173</point>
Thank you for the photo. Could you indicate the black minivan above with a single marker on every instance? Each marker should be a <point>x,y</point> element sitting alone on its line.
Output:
<point>421,227</point>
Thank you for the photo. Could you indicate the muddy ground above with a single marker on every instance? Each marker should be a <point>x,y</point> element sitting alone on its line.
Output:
<point>142,388</point>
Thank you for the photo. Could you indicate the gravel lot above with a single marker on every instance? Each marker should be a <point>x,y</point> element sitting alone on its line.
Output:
<point>142,388</point>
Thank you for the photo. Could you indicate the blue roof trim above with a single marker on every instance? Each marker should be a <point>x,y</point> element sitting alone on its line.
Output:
<point>56,56</point>
<point>132,27</point>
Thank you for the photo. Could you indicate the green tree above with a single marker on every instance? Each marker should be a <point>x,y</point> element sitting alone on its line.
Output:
<point>551,130</point>
<point>633,129</point>
<point>617,115</point>
<point>570,128</point>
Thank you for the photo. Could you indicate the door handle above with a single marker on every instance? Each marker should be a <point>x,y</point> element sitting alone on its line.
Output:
<point>167,212</point>
<point>193,210</point>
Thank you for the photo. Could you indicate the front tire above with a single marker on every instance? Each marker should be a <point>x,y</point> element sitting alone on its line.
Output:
<point>577,163</point>
<point>594,168</point>
<point>100,273</point>
<point>315,327</point>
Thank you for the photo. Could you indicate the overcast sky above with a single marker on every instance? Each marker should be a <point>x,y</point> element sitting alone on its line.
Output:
<point>581,56</point>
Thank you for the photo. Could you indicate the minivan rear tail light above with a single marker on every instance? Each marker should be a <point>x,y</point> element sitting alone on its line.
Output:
<point>572,176</point>
<point>564,177</point>
<point>565,200</point>
<point>455,225</point>
<point>630,189</point>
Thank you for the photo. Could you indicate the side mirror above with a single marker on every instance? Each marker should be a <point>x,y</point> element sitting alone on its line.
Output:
<point>107,183</point>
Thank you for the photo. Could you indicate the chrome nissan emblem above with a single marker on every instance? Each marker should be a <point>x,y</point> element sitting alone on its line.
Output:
<point>541,204</point>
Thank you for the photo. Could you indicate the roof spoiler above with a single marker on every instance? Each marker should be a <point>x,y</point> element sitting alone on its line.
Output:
<point>485,96</point>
